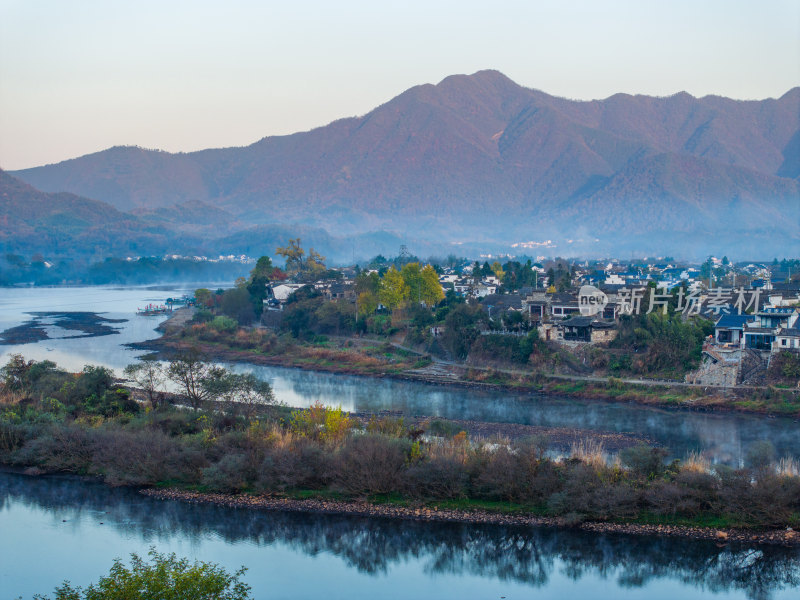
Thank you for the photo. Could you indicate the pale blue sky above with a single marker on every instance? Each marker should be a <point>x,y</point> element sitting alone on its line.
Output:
<point>79,76</point>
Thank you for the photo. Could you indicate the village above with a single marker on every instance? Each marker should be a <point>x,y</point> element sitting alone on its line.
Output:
<point>575,305</point>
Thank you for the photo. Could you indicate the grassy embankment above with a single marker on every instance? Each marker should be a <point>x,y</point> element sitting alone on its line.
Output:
<point>54,421</point>
<point>380,358</point>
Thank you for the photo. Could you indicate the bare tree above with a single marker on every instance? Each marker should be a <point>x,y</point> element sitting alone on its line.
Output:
<point>192,374</point>
<point>149,375</point>
<point>242,393</point>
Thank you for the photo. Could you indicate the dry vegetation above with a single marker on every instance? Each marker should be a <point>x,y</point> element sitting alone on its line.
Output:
<point>52,421</point>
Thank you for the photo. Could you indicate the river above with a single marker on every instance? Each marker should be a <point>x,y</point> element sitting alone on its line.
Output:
<point>57,528</point>
<point>722,437</point>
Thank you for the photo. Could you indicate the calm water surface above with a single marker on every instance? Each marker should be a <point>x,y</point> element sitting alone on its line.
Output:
<point>722,437</point>
<point>56,528</point>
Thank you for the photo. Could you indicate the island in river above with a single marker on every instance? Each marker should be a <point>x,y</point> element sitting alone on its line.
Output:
<point>381,358</point>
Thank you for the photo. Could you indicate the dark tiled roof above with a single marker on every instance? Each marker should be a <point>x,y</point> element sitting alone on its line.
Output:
<point>502,301</point>
<point>562,298</point>
<point>733,321</point>
<point>586,322</point>
<point>784,286</point>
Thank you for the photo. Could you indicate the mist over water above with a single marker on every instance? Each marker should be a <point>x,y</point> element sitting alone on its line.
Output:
<point>722,437</point>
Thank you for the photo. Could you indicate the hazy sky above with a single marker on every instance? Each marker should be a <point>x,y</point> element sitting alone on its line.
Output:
<point>78,76</point>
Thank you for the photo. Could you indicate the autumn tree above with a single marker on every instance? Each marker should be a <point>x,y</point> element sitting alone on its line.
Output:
<point>367,304</point>
<point>314,266</point>
<point>203,297</point>
<point>293,253</point>
<point>412,276</point>
<point>394,290</point>
<point>431,291</point>
<point>309,267</point>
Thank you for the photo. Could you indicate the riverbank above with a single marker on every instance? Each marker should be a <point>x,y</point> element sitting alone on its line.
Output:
<point>90,427</point>
<point>350,358</point>
<point>786,537</point>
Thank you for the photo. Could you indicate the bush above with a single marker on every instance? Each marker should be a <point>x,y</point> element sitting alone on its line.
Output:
<point>224,324</point>
<point>125,457</point>
<point>643,461</point>
<point>304,465</point>
<point>203,315</point>
<point>371,464</point>
<point>165,577</point>
<point>111,403</point>
<point>438,478</point>
<point>229,474</point>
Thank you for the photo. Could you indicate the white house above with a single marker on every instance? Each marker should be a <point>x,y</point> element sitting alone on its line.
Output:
<point>282,291</point>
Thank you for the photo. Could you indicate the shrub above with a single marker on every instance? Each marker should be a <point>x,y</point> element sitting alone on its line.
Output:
<point>303,465</point>
<point>229,474</point>
<point>438,478</point>
<point>643,461</point>
<point>224,324</point>
<point>371,464</point>
<point>165,577</point>
<point>147,457</point>
<point>111,403</point>
<point>203,315</point>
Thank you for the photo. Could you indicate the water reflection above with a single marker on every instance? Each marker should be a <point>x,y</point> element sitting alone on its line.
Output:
<point>722,437</point>
<point>533,557</point>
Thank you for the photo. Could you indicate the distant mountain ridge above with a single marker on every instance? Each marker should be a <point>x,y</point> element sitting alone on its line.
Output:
<point>64,225</point>
<point>480,157</point>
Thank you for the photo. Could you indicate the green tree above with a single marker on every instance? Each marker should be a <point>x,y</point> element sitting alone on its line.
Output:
<point>258,283</point>
<point>367,282</point>
<point>163,577</point>
<point>412,276</point>
<point>242,393</point>
<point>367,304</point>
<point>15,372</point>
<point>461,329</point>
<point>191,374</point>
<point>237,304</point>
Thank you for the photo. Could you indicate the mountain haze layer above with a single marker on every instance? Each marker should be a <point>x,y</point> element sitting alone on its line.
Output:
<point>479,157</point>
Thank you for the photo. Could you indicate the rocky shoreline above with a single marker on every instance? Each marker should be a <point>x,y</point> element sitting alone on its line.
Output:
<point>785,537</point>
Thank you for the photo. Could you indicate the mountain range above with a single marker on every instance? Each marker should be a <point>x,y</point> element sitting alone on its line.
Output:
<point>478,159</point>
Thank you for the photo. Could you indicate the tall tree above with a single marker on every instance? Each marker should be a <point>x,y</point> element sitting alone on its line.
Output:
<point>293,253</point>
<point>431,290</point>
<point>191,374</point>
<point>412,276</point>
<point>394,291</point>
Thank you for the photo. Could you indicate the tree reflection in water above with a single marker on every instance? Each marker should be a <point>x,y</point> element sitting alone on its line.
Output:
<point>373,546</point>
